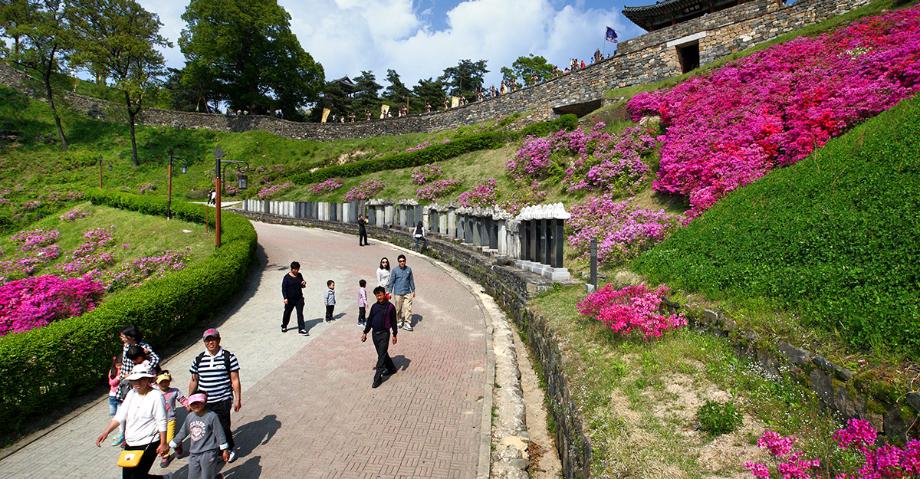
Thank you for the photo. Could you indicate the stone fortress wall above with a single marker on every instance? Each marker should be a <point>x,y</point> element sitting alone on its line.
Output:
<point>644,59</point>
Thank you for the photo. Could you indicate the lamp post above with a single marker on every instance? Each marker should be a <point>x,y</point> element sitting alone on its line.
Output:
<point>218,181</point>
<point>242,181</point>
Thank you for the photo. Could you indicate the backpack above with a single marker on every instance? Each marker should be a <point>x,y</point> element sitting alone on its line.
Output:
<point>200,357</point>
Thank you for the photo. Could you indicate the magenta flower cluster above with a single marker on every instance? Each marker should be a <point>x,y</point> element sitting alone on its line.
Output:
<point>366,190</point>
<point>426,173</point>
<point>271,190</point>
<point>147,267</point>
<point>87,256</point>
<point>73,215</point>
<point>482,195</point>
<point>878,460</point>
<point>331,184</point>
<point>633,308</point>
<point>34,302</point>
<point>30,239</point>
<point>35,248</point>
<point>436,189</point>
<point>729,128</point>
<point>621,229</point>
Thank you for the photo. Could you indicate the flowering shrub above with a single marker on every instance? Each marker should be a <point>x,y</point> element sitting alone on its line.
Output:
<point>364,191</point>
<point>773,108</point>
<point>879,461</point>
<point>71,195</point>
<point>522,197</point>
<point>329,185</point>
<point>73,215</point>
<point>34,302</point>
<point>426,173</point>
<point>622,230</point>
<point>147,267</point>
<point>31,205</point>
<point>631,308</point>
<point>420,146</point>
<point>271,190</point>
<point>482,195</point>
<point>31,239</point>
<point>87,257</point>
<point>231,190</point>
<point>436,189</point>
<point>146,187</point>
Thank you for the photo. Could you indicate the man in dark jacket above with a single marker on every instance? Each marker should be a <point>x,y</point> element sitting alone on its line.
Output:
<point>292,290</point>
<point>362,230</point>
<point>382,320</point>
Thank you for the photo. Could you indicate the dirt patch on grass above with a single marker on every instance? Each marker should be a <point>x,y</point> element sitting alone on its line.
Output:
<point>350,156</point>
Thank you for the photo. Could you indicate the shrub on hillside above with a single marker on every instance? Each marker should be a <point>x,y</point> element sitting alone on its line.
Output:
<point>365,190</point>
<point>718,418</point>
<point>272,190</point>
<point>35,302</point>
<point>437,189</point>
<point>482,195</point>
<point>331,184</point>
<point>621,229</point>
<point>426,173</point>
<point>729,128</point>
<point>633,308</point>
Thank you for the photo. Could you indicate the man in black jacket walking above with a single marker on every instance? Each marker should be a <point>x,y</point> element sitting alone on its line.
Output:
<point>382,319</point>
<point>362,230</point>
<point>292,290</point>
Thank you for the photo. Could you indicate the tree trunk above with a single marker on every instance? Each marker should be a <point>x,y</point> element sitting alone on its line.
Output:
<point>48,93</point>
<point>132,116</point>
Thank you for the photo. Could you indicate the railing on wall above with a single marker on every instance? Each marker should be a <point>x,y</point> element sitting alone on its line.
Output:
<point>533,239</point>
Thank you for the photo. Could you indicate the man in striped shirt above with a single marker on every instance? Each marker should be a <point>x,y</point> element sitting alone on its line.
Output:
<point>216,371</point>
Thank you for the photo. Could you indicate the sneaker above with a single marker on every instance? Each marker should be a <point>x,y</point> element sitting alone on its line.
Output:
<point>283,329</point>
<point>376,383</point>
<point>303,332</point>
<point>232,457</point>
<point>360,325</point>
<point>407,327</point>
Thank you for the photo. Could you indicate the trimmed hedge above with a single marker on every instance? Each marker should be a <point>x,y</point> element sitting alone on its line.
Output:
<point>833,238</point>
<point>50,364</point>
<point>435,153</point>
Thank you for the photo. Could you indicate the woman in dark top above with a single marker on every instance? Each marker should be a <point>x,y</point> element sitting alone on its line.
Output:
<point>292,290</point>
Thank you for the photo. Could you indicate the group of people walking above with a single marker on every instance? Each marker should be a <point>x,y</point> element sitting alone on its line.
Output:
<point>143,403</point>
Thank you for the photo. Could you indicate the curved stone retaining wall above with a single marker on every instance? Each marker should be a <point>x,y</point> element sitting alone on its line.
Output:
<point>644,59</point>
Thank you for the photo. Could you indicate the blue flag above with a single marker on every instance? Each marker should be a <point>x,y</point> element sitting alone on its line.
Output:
<point>611,35</point>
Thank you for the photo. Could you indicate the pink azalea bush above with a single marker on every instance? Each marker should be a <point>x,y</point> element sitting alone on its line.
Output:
<point>271,190</point>
<point>331,184</point>
<point>482,195</point>
<point>879,461</point>
<point>426,173</point>
<point>729,128</point>
<point>31,205</point>
<point>34,302</point>
<point>633,308</point>
<point>73,215</point>
<point>147,267</point>
<point>622,230</point>
<point>87,257</point>
<point>365,190</point>
<point>30,239</point>
<point>436,189</point>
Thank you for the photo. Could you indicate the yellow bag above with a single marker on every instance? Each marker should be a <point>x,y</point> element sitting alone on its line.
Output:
<point>130,457</point>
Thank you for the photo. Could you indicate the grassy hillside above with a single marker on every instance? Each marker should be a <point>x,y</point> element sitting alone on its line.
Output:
<point>832,238</point>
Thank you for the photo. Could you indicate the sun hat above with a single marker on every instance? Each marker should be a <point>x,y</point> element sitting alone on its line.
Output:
<point>138,373</point>
<point>197,398</point>
<point>210,332</point>
<point>164,377</point>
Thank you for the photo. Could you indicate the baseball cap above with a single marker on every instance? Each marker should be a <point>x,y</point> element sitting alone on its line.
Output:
<point>138,373</point>
<point>210,332</point>
<point>197,398</point>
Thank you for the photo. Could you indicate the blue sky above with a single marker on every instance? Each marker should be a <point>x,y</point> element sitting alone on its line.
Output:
<point>419,38</point>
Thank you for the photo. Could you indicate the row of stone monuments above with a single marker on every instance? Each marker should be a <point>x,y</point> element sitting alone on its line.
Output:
<point>533,239</point>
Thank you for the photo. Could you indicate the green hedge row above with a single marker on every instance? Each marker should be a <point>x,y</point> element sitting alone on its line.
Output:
<point>435,153</point>
<point>45,366</point>
<point>833,238</point>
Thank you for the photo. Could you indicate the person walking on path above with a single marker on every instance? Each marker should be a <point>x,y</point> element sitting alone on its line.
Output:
<point>383,274</point>
<point>114,385</point>
<point>207,439</point>
<point>402,285</point>
<point>216,371</point>
<point>419,236</point>
<point>142,417</point>
<point>381,320</point>
<point>292,291</point>
<point>362,230</point>
<point>131,336</point>
<point>171,396</point>
<point>329,299</point>
<point>362,302</point>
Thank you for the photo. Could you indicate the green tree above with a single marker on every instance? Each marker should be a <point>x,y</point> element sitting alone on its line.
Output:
<point>465,78</point>
<point>244,52</point>
<point>120,36</point>
<point>397,92</point>
<point>45,39</point>
<point>366,94</point>
<point>13,15</point>
<point>431,92</point>
<point>508,75</point>
<point>186,97</point>
<point>532,69</point>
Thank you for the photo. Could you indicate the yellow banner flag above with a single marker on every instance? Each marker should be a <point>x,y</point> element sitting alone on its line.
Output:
<point>326,112</point>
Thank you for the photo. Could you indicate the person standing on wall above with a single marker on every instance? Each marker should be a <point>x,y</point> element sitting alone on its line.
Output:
<point>402,284</point>
<point>292,291</point>
<point>216,371</point>
<point>362,230</point>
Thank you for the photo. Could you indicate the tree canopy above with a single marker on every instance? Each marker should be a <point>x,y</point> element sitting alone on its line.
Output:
<point>465,79</point>
<point>243,52</point>
<point>532,69</point>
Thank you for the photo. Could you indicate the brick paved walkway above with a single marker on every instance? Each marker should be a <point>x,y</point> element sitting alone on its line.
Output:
<point>308,408</point>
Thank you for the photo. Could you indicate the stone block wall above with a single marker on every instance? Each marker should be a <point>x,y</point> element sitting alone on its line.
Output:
<point>644,59</point>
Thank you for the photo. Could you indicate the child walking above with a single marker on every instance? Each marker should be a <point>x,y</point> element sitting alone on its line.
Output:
<point>114,402</point>
<point>362,302</point>
<point>172,396</point>
<point>207,439</point>
<point>330,299</point>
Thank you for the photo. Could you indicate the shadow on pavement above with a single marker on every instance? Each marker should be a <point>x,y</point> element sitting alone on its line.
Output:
<point>312,322</point>
<point>416,318</point>
<point>250,468</point>
<point>401,362</point>
<point>255,433</point>
<point>339,316</point>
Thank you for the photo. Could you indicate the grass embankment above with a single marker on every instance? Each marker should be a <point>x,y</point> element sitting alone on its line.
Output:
<point>639,398</point>
<point>134,235</point>
<point>832,240</point>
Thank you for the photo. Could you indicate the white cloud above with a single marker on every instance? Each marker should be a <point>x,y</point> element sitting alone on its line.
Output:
<point>348,36</point>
